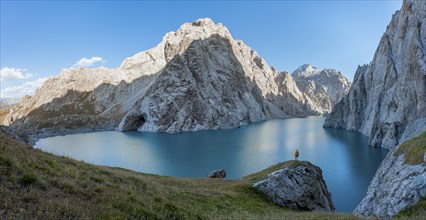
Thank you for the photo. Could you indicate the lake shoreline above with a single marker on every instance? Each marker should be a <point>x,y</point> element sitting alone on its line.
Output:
<point>239,151</point>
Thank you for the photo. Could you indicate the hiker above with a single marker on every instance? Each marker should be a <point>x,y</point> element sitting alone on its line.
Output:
<point>296,154</point>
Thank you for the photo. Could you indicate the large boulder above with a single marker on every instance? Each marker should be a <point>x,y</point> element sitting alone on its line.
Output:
<point>299,185</point>
<point>220,173</point>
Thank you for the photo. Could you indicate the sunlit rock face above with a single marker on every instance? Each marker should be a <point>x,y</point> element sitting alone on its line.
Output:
<point>325,88</point>
<point>387,100</point>
<point>196,78</point>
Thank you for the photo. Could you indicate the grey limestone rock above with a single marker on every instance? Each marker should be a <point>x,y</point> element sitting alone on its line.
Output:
<point>220,173</point>
<point>298,186</point>
<point>325,88</point>
<point>387,100</point>
<point>395,186</point>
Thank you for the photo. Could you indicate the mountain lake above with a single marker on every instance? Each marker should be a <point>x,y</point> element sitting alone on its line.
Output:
<point>347,161</point>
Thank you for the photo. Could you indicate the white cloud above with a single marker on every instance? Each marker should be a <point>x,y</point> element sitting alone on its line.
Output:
<point>86,62</point>
<point>27,88</point>
<point>7,74</point>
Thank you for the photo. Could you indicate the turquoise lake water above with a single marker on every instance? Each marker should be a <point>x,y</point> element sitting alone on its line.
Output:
<point>348,163</point>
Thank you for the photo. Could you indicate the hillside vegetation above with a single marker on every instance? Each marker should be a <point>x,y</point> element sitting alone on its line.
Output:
<point>35,184</point>
<point>413,149</point>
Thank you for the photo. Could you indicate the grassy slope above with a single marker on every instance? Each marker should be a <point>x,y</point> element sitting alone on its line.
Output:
<point>37,184</point>
<point>413,149</point>
<point>416,212</point>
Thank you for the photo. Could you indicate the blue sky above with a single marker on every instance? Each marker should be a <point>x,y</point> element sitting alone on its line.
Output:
<point>39,38</point>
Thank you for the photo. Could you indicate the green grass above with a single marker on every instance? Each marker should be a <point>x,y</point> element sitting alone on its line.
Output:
<point>413,149</point>
<point>35,184</point>
<point>418,210</point>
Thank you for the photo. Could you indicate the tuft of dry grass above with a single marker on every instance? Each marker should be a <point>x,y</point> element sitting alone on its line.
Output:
<point>413,149</point>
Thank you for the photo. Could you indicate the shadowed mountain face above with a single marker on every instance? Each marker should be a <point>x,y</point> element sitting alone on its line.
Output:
<point>203,88</point>
<point>197,78</point>
<point>387,100</point>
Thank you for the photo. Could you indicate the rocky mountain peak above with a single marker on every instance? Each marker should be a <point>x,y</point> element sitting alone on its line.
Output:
<point>324,87</point>
<point>330,72</point>
<point>173,43</point>
<point>197,30</point>
<point>306,70</point>
<point>204,22</point>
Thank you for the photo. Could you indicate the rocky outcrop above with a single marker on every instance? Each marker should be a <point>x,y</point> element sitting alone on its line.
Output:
<point>387,100</point>
<point>396,186</point>
<point>299,185</point>
<point>217,174</point>
<point>325,88</point>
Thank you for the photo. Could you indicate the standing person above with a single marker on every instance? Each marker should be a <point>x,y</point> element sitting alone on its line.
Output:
<point>296,154</point>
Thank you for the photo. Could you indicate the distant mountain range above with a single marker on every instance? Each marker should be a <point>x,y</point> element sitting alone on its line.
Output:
<point>196,78</point>
<point>4,102</point>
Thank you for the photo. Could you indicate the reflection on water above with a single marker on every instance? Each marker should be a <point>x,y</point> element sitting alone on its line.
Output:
<point>348,163</point>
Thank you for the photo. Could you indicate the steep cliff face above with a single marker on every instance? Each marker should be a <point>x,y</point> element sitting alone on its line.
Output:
<point>290,99</point>
<point>325,88</point>
<point>399,183</point>
<point>387,100</point>
<point>205,87</point>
